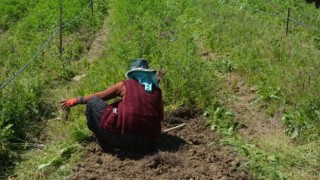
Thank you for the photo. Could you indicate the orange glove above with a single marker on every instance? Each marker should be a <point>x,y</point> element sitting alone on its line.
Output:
<point>68,103</point>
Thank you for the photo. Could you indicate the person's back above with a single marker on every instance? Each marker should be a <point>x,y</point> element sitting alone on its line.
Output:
<point>141,112</point>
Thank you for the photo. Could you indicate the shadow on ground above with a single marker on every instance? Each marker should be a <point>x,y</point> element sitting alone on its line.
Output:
<point>192,152</point>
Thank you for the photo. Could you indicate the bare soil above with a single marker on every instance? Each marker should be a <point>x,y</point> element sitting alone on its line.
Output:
<point>250,110</point>
<point>192,152</point>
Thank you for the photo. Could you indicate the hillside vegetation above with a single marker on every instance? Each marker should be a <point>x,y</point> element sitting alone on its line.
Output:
<point>27,101</point>
<point>200,43</point>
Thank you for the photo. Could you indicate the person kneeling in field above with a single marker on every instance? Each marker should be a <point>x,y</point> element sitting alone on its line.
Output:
<point>135,120</point>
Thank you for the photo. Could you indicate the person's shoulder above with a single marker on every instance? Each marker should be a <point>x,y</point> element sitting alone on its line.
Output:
<point>129,81</point>
<point>121,83</point>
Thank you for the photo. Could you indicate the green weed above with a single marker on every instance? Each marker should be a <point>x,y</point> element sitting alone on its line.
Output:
<point>221,120</point>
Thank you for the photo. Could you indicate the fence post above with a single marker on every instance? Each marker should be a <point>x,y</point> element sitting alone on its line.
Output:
<point>309,81</point>
<point>288,19</point>
<point>92,20</point>
<point>91,4</point>
<point>61,28</point>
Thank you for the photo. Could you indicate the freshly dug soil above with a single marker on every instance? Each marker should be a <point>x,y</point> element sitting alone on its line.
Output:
<point>191,152</point>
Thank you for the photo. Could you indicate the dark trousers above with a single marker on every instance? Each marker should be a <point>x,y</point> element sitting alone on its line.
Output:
<point>94,110</point>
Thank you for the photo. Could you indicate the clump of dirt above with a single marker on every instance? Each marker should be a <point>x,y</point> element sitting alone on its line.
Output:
<point>180,116</point>
<point>191,152</point>
<point>162,159</point>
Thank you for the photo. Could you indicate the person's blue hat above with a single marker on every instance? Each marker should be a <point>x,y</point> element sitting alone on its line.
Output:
<point>139,65</point>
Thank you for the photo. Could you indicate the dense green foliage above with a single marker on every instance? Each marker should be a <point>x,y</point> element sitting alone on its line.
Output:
<point>247,37</point>
<point>27,101</point>
<point>12,11</point>
<point>169,43</point>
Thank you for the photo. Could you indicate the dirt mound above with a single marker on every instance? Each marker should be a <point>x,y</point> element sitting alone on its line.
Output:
<point>191,152</point>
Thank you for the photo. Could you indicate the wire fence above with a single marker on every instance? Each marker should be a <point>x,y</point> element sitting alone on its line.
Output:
<point>90,4</point>
<point>283,15</point>
<point>44,45</point>
<point>289,21</point>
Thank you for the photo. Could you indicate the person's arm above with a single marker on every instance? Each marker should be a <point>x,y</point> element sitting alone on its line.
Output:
<point>110,93</point>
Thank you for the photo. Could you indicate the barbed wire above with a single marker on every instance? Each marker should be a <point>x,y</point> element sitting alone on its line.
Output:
<point>45,44</point>
<point>30,61</point>
<point>261,11</point>
<point>304,25</point>
<point>285,16</point>
<point>296,22</point>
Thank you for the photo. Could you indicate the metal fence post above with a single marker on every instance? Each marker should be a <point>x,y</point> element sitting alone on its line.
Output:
<point>288,19</point>
<point>61,28</point>
<point>91,4</point>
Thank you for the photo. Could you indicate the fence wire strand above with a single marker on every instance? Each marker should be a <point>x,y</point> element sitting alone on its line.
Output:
<point>296,22</point>
<point>17,73</point>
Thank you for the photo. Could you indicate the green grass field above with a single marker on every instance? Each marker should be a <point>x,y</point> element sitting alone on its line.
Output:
<point>243,37</point>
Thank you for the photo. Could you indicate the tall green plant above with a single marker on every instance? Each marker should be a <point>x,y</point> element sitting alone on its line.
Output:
<point>150,31</point>
<point>27,100</point>
<point>12,11</point>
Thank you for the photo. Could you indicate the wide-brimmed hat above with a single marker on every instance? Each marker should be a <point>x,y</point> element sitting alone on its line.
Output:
<point>139,65</point>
